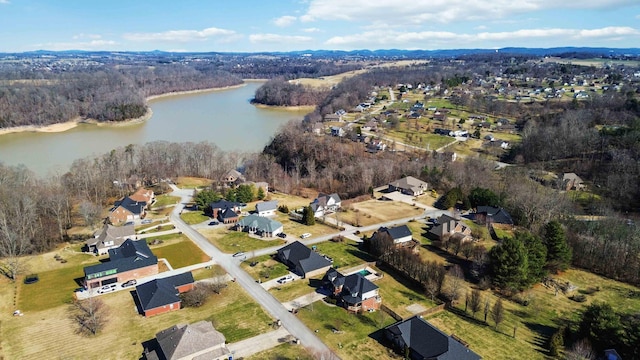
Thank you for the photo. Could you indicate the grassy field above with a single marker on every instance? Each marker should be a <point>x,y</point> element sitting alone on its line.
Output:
<point>192,182</point>
<point>165,200</point>
<point>266,265</point>
<point>295,289</point>
<point>344,254</point>
<point>232,312</point>
<point>193,217</point>
<point>54,288</point>
<point>180,254</point>
<point>375,211</point>
<point>352,341</point>
<point>285,351</point>
<point>397,293</point>
<point>232,241</point>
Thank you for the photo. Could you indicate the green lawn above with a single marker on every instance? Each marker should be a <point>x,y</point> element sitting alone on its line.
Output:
<point>397,293</point>
<point>286,351</point>
<point>344,254</point>
<point>164,200</point>
<point>231,241</point>
<point>352,341</point>
<point>181,254</point>
<point>193,217</point>
<point>295,289</point>
<point>265,269</point>
<point>54,288</point>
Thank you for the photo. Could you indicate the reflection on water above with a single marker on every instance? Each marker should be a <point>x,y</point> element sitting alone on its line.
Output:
<point>225,118</point>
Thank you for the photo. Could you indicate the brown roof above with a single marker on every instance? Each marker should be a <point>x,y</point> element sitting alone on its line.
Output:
<point>142,194</point>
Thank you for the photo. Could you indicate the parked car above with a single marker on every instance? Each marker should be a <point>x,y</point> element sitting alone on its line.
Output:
<point>213,223</point>
<point>129,283</point>
<point>238,254</point>
<point>286,279</point>
<point>128,223</point>
<point>305,235</point>
<point>107,289</point>
<point>282,235</point>
<point>146,221</point>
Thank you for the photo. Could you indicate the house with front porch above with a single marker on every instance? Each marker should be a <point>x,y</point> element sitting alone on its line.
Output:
<point>325,204</point>
<point>408,186</point>
<point>131,260</point>
<point>110,237</point>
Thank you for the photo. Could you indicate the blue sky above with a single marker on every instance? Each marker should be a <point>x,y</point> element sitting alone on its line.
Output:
<point>285,25</point>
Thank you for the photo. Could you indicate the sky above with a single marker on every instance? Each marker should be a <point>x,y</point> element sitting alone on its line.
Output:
<point>288,25</point>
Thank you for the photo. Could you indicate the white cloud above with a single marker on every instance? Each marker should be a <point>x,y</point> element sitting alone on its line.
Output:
<point>442,11</point>
<point>275,38</point>
<point>434,39</point>
<point>79,45</point>
<point>182,35</point>
<point>86,36</point>
<point>284,21</point>
<point>480,27</point>
<point>5,2</point>
<point>311,30</point>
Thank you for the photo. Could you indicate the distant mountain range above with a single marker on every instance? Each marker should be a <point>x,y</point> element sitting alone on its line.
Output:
<point>387,53</point>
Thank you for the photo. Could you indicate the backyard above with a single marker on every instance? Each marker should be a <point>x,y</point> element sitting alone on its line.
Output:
<point>180,252</point>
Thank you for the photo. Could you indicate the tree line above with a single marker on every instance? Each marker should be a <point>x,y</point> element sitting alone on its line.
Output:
<point>279,92</point>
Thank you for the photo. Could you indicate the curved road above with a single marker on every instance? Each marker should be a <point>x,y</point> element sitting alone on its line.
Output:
<point>259,294</point>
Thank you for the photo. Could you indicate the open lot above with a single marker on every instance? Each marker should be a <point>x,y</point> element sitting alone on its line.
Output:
<point>266,268</point>
<point>232,312</point>
<point>296,289</point>
<point>193,217</point>
<point>351,339</point>
<point>180,252</point>
<point>375,211</point>
<point>165,200</point>
<point>345,254</point>
<point>232,241</point>
<point>285,351</point>
<point>185,182</point>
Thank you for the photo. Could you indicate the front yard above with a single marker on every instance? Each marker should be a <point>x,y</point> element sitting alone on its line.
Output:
<point>265,268</point>
<point>180,253</point>
<point>231,241</point>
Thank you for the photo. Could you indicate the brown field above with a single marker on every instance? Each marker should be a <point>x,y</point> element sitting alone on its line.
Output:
<point>50,334</point>
<point>192,182</point>
<point>375,211</point>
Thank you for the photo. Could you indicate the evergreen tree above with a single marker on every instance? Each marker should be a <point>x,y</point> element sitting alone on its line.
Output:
<point>601,325</point>
<point>245,193</point>
<point>204,198</point>
<point>536,256</point>
<point>509,264</point>
<point>308,217</point>
<point>558,251</point>
<point>480,196</point>
<point>261,194</point>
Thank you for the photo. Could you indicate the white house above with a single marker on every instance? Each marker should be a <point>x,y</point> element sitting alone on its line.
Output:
<point>325,204</point>
<point>267,208</point>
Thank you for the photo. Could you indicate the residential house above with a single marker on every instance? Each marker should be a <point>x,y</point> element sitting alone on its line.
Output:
<point>492,215</point>
<point>317,128</point>
<point>371,125</point>
<point>188,342</point>
<point>302,260</point>
<point>408,186</point>
<point>126,210</point>
<point>109,237</point>
<point>439,115</point>
<point>325,204</point>
<point>162,295</point>
<point>571,181</point>
<point>232,178</point>
<point>332,117</point>
<point>353,292</point>
<point>399,234</point>
<point>420,340</point>
<point>143,195</point>
<point>226,212</point>
<point>267,208</point>
<point>451,229</point>
<point>131,260</point>
<point>337,131</point>
<point>259,225</point>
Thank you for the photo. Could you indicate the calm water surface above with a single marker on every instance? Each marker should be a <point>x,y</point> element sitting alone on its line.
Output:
<point>225,118</point>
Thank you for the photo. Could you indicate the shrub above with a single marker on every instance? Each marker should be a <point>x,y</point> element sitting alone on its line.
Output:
<point>578,298</point>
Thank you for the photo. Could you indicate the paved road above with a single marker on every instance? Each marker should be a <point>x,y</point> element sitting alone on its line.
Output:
<point>232,265</point>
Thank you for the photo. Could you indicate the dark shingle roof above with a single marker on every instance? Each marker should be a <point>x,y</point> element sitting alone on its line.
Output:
<point>160,292</point>
<point>354,286</point>
<point>135,207</point>
<point>427,342</point>
<point>224,204</point>
<point>498,215</point>
<point>397,232</point>
<point>227,213</point>
<point>299,256</point>
<point>128,256</point>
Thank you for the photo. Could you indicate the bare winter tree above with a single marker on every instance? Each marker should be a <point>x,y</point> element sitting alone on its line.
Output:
<point>497,313</point>
<point>455,283</point>
<point>90,212</point>
<point>580,350</point>
<point>89,315</point>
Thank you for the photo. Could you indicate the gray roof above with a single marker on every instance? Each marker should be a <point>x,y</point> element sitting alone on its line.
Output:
<point>112,233</point>
<point>266,206</point>
<point>427,342</point>
<point>224,204</point>
<point>408,182</point>
<point>397,232</point>
<point>128,256</point>
<point>183,340</point>
<point>133,206</point>
<point>163,291</point>
<point>300,257</point>
<point>498,215</point>
<point>260,223</point>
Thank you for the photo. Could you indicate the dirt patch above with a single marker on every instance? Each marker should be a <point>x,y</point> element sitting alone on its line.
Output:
<point>416,308</point>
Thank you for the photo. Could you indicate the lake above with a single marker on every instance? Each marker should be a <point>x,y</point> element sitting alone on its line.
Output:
<point>224,117</point>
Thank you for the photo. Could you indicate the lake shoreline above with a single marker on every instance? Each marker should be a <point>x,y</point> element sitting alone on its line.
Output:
<point>73,123</point>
